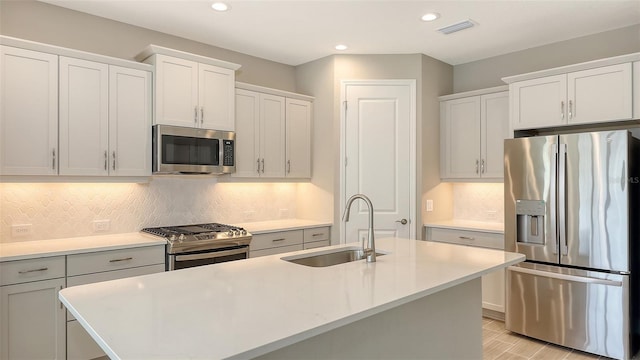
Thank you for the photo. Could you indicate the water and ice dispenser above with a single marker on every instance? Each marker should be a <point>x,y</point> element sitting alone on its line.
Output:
<point>530,221</point>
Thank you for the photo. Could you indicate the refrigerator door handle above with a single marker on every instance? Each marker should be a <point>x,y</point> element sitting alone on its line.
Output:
<point>552,206</point>
<point>562,199</point>
<point>573,278</point>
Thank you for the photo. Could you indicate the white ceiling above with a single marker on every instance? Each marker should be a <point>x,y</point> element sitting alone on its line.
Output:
<point>298,31</point>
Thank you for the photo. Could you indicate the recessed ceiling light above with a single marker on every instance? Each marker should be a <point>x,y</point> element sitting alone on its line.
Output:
<point>430,16</point>
<point>341,47</point>
<point>220,6</point>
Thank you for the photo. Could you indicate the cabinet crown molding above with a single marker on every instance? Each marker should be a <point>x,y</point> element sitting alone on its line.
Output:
<point>491,90</point>
<point>266,90</point>
<point>72,53</point>
<point>574,67</point>
<point>155,49</point>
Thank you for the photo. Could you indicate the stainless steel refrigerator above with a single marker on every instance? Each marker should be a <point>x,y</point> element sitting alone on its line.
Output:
<point>570,207</point>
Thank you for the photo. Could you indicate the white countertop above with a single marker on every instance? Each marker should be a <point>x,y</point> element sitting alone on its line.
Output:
<point>468,225</point>
<point>55,247</point>
<point>261,227</point>
<point>246,308</point>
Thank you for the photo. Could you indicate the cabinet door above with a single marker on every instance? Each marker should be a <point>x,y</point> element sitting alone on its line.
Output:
<point>176,92</point>
<point>298,135</point>
<point>84,117</point>
<point>32,321</point>
<point>539,103</point>
<point>216,97</point>
<point>272,135</point>
<point>601,94</point>
<point>494,120</point>
<point>28,112</point>
<point>129,122</point>
<point>461,125</point>
<point>247,133</point>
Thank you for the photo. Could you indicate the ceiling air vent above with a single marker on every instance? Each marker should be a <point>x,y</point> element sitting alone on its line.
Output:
<point>456,27</point>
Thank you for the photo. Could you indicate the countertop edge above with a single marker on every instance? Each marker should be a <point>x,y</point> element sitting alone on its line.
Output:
<point>470,226</point>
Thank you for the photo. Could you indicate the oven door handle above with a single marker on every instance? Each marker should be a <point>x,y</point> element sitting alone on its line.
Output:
<point>212,254</point>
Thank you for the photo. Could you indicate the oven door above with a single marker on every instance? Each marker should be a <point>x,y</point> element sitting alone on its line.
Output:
<point>187,260</point>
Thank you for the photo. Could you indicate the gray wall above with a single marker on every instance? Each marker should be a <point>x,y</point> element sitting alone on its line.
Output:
<point>45,23</point>
<point>488,72</point>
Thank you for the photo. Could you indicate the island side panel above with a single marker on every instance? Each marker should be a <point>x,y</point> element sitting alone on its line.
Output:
<point>444,325</point>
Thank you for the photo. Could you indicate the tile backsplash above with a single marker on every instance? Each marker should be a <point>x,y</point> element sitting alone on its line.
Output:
<point>478,202</point>
<point>60,210</point>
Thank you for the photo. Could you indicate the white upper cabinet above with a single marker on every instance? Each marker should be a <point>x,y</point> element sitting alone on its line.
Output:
<point>247,134</point>
<point>129,122</point>
<point>28,112</point>
<point>636,90</point>
<point>176,91</point>
<point>216,94</point>
<point>298,135</point>
<point>273,133</point>
<point>473,129</point>
<point>84,117</point>
<point>587,93</point>
<point>105,119</point>
<point>494,121</point>
<point>602,94</point>
<point>192,90</point>
<point>71,113</point>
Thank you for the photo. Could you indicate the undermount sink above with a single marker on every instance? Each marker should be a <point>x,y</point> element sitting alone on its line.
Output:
<point>329,258</point>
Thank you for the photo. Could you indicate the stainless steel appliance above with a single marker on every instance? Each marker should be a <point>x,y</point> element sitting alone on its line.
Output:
<point>571,207</point>
<point>182,150</point>
<point>202,244</point>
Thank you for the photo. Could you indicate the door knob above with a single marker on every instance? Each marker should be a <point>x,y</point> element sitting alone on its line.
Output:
<point>403,221</point>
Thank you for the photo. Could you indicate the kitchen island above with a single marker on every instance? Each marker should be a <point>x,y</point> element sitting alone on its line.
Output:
<point>419,300</point>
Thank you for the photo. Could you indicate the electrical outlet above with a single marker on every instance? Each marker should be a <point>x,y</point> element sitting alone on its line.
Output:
<point>284,213</point>
<point>101,225</point>
<point>249,215</point>
<point>492,214</point>
<point>429,205</point>
<point>21,230</point>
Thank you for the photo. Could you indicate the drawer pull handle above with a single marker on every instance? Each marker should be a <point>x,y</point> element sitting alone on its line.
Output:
<point>274,240</point>
<point>318,234</point>
<point>34,270</point>
<point>123,259</point>
<point>467,237</point>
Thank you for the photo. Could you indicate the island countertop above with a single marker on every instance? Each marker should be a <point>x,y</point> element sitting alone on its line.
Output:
<point>244,309</point>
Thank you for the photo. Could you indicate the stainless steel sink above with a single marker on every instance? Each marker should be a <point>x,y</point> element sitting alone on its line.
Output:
<point>329,258</point>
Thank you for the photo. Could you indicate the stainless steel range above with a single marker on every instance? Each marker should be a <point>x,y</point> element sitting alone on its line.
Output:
<point>202,244</point>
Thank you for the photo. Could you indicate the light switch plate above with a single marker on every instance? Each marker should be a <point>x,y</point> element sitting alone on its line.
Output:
<point>101,225</point>
<point>21,230</point>
<point>429,205</point>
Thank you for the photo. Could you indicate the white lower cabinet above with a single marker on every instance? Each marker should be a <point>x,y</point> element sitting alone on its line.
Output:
<point>32,319</point>
<point>493,292</point>
<point>99,266</point>
<point>286,241</point>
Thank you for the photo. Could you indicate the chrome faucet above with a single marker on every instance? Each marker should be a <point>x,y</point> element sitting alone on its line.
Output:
<point>369,251</point>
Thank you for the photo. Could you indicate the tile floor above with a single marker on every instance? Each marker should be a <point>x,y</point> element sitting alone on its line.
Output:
<point>500,344</point>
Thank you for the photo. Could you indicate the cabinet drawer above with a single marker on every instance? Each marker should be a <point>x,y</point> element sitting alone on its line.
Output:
<point>465,237</point>
<point>21,271</point>
<point>114,260</point>
<point>276,239</point>
<point>111,275</point>
<point>316,234</point>
<point>316,244</point>
<point>275,250</point>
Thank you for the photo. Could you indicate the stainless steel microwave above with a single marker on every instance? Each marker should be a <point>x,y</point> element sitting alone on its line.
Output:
<point>183,150</point>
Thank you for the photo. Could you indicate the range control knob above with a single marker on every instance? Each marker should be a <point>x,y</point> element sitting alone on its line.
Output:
<point>237,232</point>
<point>244,232</point>
<point>172,238</point>
<point>181,238</point>
<point>230,233</point>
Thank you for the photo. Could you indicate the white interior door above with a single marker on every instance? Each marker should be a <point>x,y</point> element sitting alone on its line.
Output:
<point>379,156</point>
